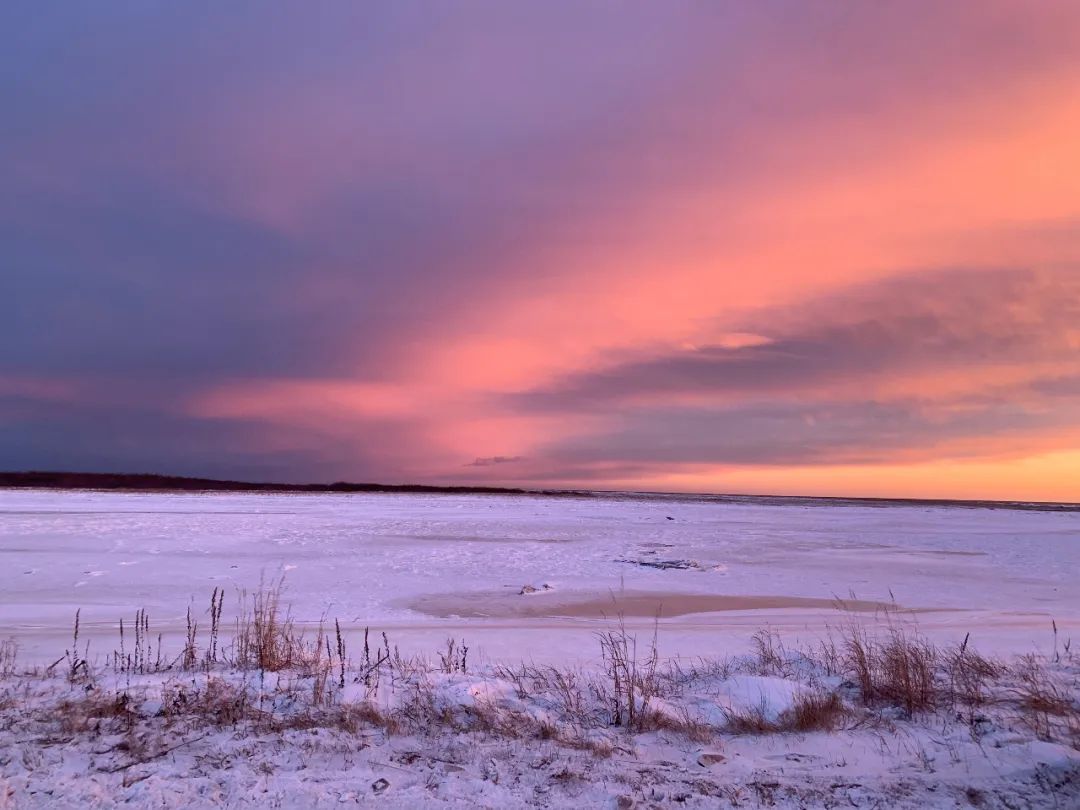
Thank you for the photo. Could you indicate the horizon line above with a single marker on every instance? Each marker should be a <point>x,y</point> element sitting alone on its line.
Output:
<point>160,482</point>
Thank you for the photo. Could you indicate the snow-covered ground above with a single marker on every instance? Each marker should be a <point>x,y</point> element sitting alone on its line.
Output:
<point>424,567</point>
<point>71,745</point>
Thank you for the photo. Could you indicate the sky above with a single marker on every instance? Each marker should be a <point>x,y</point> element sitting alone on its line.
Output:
<point>801,247</point>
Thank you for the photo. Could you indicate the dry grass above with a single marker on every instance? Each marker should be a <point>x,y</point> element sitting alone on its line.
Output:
<point>631,692</point>
<point>680,674</point>
<point>813,710</point>
<point>9,652</point>
<point>507,722</point>
<point>217,702</point>
<point>897,669</point>
<point>749,720</point>
<point>1037,690</point>
<point>1048,706</point>
<point>828,656</point>
<point>355,717</point>
<point>143,657</point>
<point>683,723</point>
<point>769,655</point>
<point>96,711</point>
<point>455,658</point>
<point>78,665</point>
<point>969,675</point>
<point>266,637</point>
<point>632,681</point>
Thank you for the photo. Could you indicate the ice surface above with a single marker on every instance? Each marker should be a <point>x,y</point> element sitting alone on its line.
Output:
<point>368,559</point>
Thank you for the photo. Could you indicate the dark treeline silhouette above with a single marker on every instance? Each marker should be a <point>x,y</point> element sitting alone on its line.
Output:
<point>172,483</point>
<point>147,482</point>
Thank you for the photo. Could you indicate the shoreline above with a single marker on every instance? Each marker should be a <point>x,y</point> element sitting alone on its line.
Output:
<point>167,484</point>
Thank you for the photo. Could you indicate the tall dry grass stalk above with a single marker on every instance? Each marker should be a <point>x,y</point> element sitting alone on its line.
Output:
<point>969,675</point>
<point>633,682</point>
<point>217,606</point>
<point>897,669</point>
<point>9,652</point>
<point>266,637</point>
<point>144,656</point>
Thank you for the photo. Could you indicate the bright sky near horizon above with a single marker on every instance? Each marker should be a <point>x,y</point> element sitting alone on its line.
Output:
<point>784,247</point>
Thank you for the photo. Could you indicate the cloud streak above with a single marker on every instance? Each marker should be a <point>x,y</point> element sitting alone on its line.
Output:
<point>950,364</point>
<point>937,321</point>
<point>489,461</point>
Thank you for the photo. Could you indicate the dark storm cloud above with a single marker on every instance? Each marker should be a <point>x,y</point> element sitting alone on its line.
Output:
<point>56,436</point>
<point>793,433</point>
<point>140,284</point>
<point>950,320</point>
<point>144,145</point>
<point>771,404</point>
<point>1065,386</point>
<point>118,436</point>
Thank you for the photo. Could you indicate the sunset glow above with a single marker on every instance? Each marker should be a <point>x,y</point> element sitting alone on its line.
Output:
<point>792,248</point>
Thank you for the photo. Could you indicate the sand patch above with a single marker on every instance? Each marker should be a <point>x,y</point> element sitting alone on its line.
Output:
<point>584,605</point>
<point>465,538</point>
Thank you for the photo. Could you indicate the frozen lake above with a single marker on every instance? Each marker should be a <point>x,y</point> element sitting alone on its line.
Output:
<point>423,567</point>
